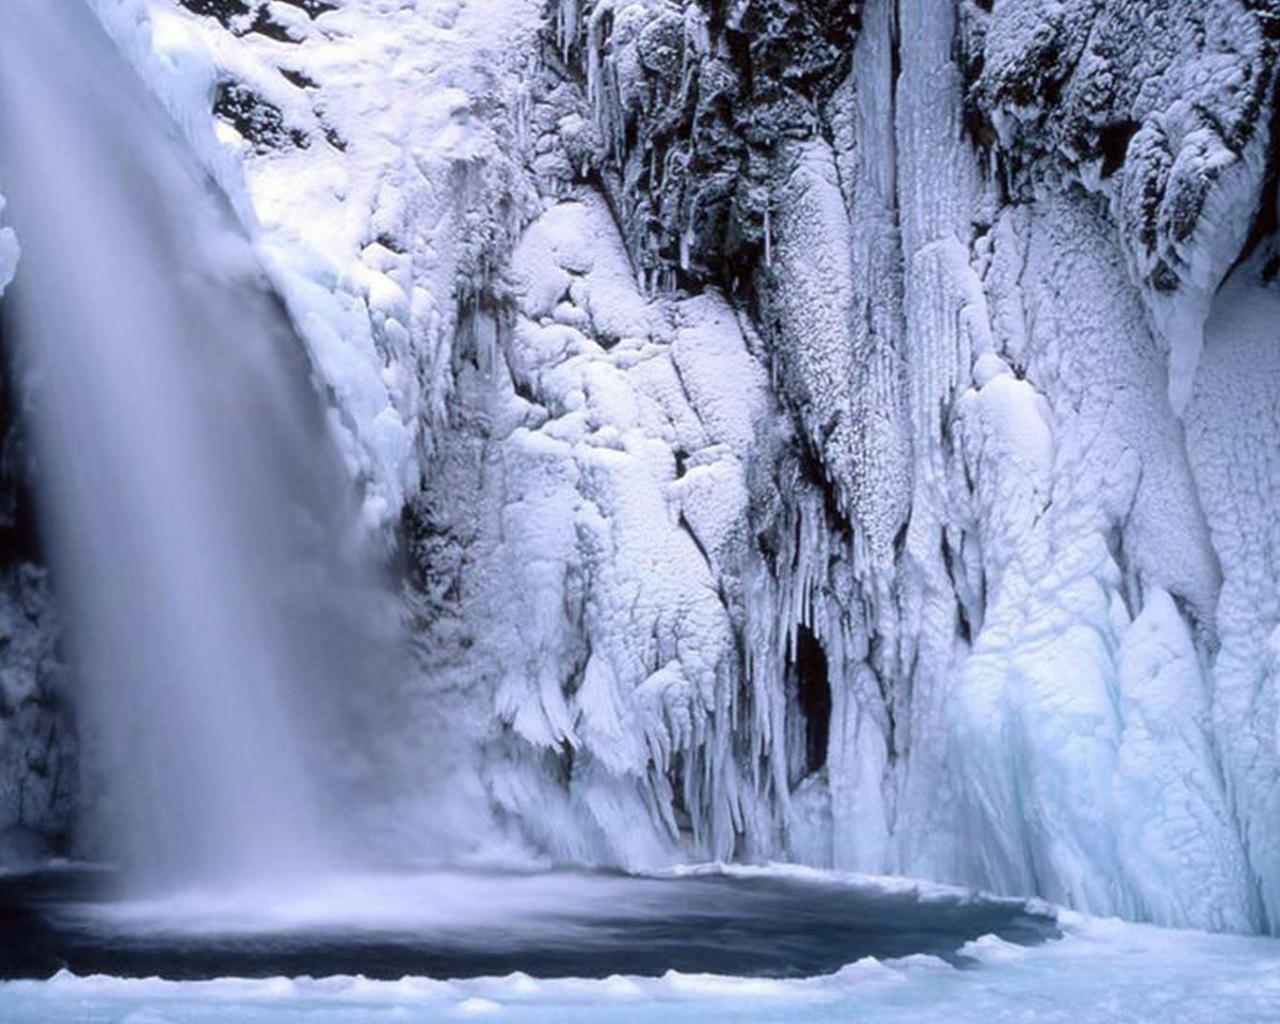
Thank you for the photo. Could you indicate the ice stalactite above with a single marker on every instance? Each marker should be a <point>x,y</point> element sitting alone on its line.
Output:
<point>956,521</point>
<point>788,204</point>
<point>1131,162</point>
<point>1080,546</point>
<point>685,128</point>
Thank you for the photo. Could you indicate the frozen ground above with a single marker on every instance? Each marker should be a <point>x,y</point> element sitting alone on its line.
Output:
<point>1102,970</point>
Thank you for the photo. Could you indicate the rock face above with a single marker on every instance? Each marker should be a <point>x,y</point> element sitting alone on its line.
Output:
<point>843,433</point>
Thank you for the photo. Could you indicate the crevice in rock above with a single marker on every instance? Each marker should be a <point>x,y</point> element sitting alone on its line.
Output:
<point>256,119</point>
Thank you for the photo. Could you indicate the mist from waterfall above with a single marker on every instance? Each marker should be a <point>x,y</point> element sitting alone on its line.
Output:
<point>200,523</point>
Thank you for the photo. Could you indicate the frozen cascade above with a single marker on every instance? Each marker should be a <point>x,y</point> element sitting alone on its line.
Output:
<point>1012,587</point>
<point>203,539</point>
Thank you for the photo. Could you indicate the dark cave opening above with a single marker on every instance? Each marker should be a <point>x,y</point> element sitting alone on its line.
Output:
<point>813,692</point>
<point>1113,143</point>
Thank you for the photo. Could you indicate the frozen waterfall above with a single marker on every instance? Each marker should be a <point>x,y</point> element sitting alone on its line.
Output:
<point>824,433</point>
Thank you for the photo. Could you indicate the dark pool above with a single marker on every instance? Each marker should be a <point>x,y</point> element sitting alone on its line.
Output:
<point>553,924</point>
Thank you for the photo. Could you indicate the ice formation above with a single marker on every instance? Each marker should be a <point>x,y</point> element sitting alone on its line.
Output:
<point>838,434</point>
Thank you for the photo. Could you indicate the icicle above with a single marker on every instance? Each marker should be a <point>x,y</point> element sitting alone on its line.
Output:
<point>522,116</point>
<point>667,161</point>
<point>768,234</point>
<point>593,72</point>
<point>567,26</point>
<point>595,41</point>
<point>617,115</point>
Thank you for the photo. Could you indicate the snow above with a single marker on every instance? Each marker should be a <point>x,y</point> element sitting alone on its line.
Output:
<point>379,322</point>
<point>596,525</point>
<point>1020,690</point>
<point>8,252</point>
<point>1232,425</point>
<point>1187,91</point>
<point>1101,970</point>
<point>1081,723</point>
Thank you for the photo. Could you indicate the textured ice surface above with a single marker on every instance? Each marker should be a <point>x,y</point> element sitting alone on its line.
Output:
<point>1162,108</point>
<point>1232,427</point>
<point>984,516</point>
<point>610,506</point>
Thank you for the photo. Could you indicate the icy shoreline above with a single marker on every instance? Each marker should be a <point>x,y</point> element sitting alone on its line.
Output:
<point>1102,969</point>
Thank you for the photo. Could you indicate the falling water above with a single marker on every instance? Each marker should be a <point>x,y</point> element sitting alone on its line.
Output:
<point>197,516</point>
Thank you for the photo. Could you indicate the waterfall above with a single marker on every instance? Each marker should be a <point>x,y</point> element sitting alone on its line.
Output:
<point>199,520</point>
